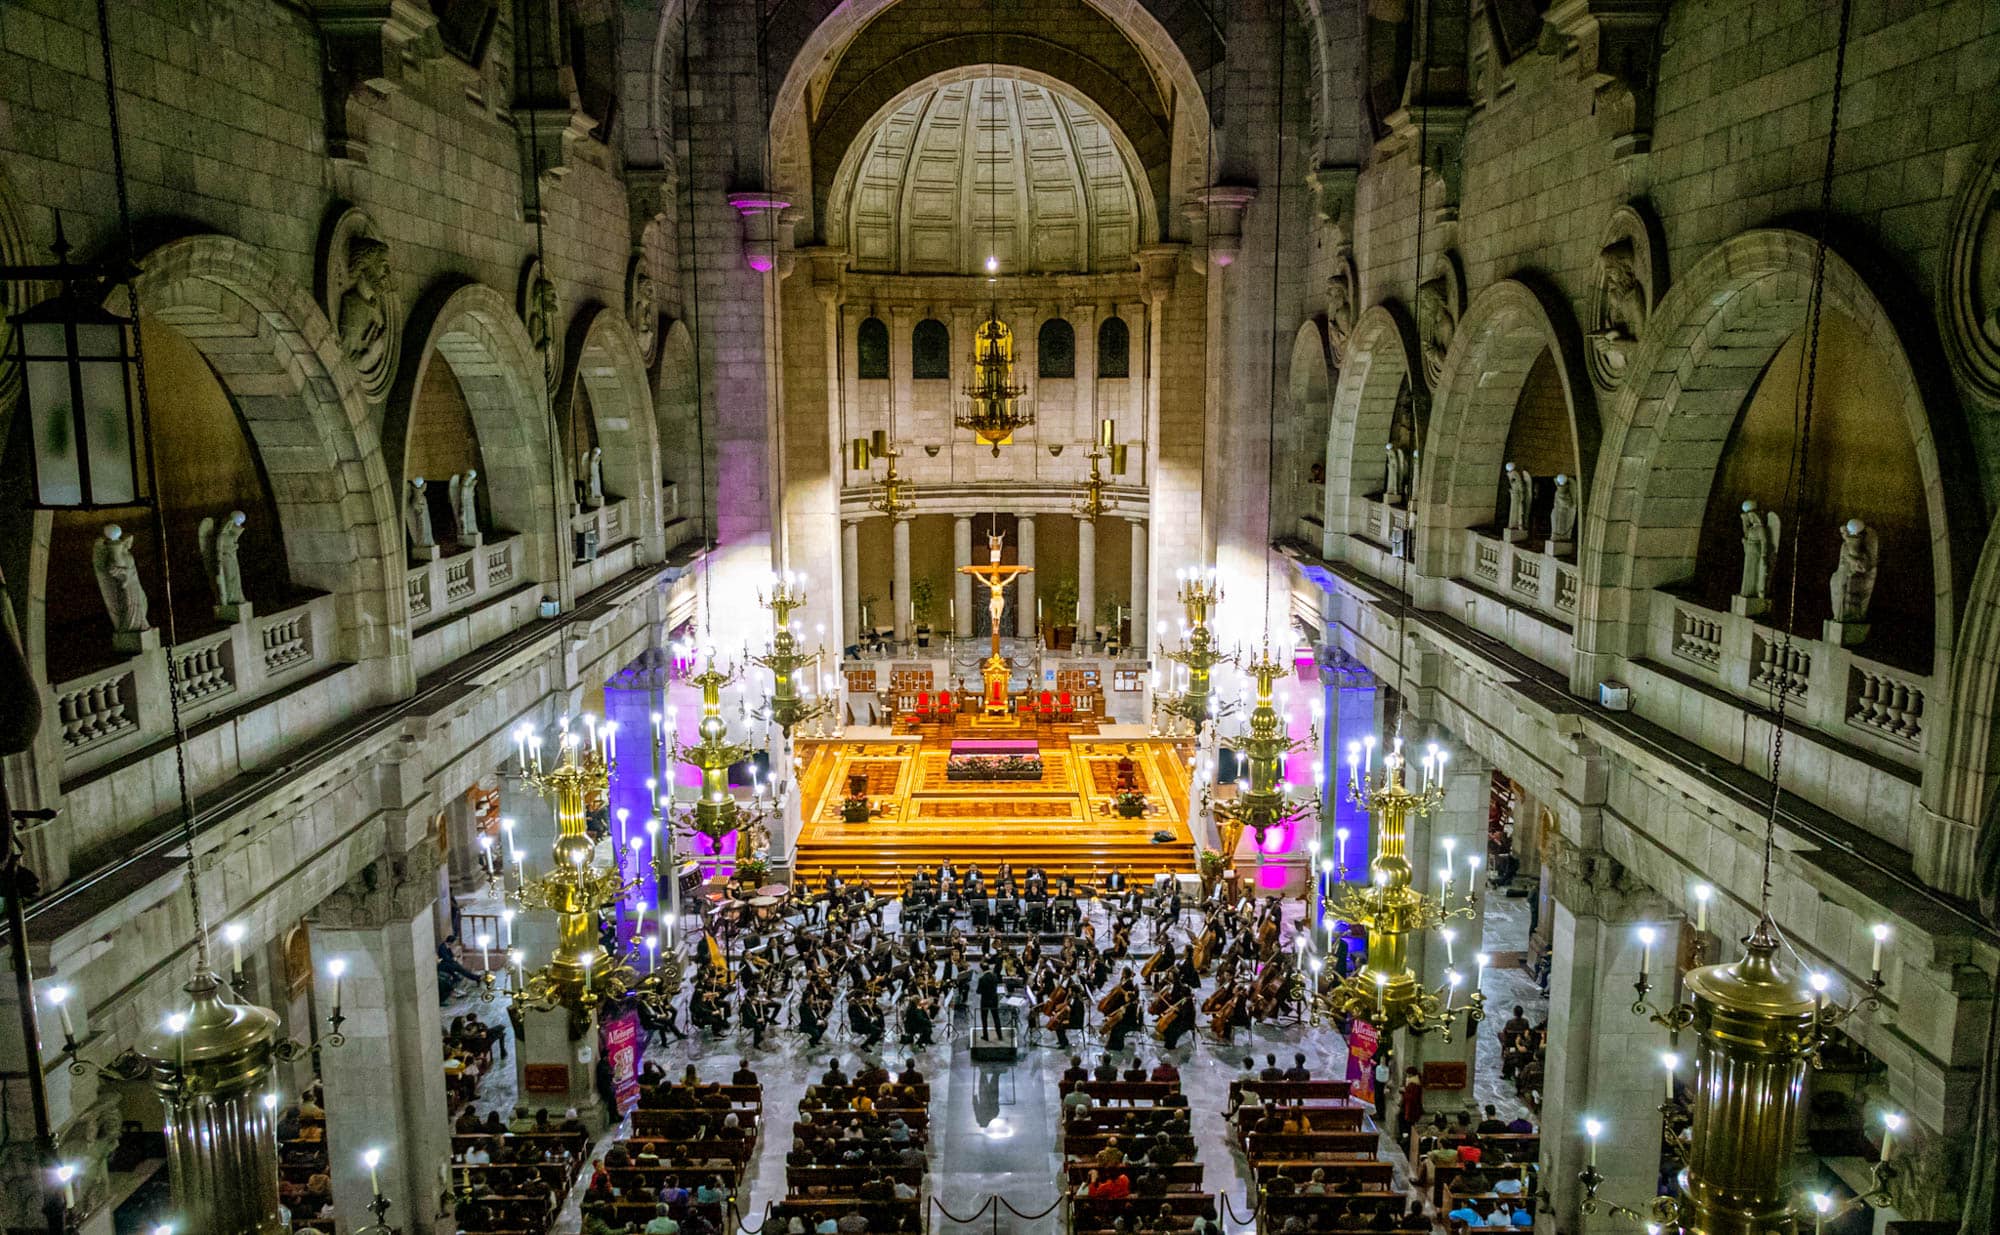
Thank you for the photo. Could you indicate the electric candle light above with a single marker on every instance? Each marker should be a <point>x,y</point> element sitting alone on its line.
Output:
<point>1449,936</point>
<point>59,996</point>
<point>1593,1129</point>
<point>1670,1062</point>
<point>1381,994</point>
<point>652,952</point>
<point>1646,937</point>
<point>1452,979</point>
<point>234,933</point>
<point>1881,933</point>
<point>485,942</point>
<point>270,1102</point>
<point>1822,1205</point>
<point>1701,894</point>
<point>520,960</point>
<point>373,1159</point>
<point>1892,1123</point>
<point>506,928</point>
<point>66,1176</point>
<point>337,968</point>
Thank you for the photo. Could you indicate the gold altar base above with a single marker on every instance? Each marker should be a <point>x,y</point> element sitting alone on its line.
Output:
<point>1066,822</point>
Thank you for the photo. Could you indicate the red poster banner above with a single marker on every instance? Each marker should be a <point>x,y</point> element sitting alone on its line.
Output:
<point>623,1042</point>
<point>1361,1043</point>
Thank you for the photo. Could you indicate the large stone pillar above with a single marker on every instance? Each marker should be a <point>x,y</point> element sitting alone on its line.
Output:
<point>850,581</point>
<point>1137,588</point>
<point>1086,580</point>
<point>961,583</point>
<point>1602,1062</point>
<point>385,1085</point>
<point>1024,612</point>
<point>901,604</point>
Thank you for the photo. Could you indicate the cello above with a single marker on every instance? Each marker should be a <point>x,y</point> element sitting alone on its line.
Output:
<point>1055,1009</point>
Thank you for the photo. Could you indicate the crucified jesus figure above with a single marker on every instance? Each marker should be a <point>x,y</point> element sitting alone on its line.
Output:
<point>996,575</point>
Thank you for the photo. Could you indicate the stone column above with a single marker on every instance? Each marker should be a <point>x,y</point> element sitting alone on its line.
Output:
<point>1603,1062</point>
<point>1024,614</point>
<point>385,1084</point>
<point>1137,604</point>
<point>901,603</point>
<point>1086,580</point>
<point>961,584</point>
<point>1461,819</point>
<point>850,581</point>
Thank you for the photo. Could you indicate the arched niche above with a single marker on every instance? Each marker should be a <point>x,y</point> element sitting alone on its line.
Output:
<point>676,407</point>
<point>472,330</point>
<point>272,351</point>
<point>1513,381</point>
<point>1309,387</point>
<point>1856,470</point>
<point>1375,400</point>
<point>207,468</point>
<point>1707,346</point>
<point>442,441</point>
<point>608,392</point>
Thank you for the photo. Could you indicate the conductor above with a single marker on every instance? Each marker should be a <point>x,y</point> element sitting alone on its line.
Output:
<point>989,1002</point>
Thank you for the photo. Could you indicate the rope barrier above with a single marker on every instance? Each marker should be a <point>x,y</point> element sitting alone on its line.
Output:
<point>984,1206</point>
<point>1053,1205</point>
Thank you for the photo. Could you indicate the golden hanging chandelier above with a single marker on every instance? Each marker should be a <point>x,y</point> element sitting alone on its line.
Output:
<point>787,707</point>
<point>1092,504</point>
<point>1265,800</point>
<point>893,499</point>
<point>1385,991</point>
<point>1200,593</point>
<point>994,411</point>
<point>716,812</point>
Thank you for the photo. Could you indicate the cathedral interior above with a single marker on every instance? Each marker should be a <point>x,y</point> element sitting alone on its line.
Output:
<point>1069,617</point>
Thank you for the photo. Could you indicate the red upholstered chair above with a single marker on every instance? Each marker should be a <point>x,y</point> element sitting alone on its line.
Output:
<point>1048,706</point>
<point>944,707</point>
<point>1068,706</point>
<point>923,705</point>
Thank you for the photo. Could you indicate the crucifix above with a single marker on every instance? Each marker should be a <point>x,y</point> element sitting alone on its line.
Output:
<point>996,575</point>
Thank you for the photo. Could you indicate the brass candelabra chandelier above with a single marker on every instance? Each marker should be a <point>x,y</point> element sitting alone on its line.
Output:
<point>1092,504</point>
<point>788,706</point>
<point>1386,990</point>
<point>1265,799</point>
<point>1192,704</point>
<point>994,411</point>
<point>716,812</point>
<point>893,499</point>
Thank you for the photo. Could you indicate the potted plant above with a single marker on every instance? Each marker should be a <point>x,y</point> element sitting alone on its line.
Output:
<point>923,594</point>
<point>754,871</point>
<point>855,810</point>
<point>1108,610</point>
<point>1062,612</point>
<point>1131,804</point>
<point>1214,865</point>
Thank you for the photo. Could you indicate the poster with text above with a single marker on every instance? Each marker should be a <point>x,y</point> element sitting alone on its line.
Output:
<point>1361,1043</point>
<point>623,1043</point>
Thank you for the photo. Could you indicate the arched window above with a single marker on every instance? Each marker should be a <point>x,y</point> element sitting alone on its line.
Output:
<point>1055,349</point>
<point>1114,348</point>
<point>930,350</point>
<point>871,350</point>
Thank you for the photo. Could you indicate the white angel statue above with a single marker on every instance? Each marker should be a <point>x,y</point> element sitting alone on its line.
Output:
<point>118,581</point>
<point>1760,550</point>
<point>219,554</point>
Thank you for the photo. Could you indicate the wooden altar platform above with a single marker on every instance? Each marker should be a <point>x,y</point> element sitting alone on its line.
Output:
<point>1066,822</point>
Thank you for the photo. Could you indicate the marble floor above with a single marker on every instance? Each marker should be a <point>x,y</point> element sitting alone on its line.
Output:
<point>993,1126</point>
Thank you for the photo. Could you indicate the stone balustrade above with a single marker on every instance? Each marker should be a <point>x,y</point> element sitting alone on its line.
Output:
<point>447,585</point>
<point>1834,689</point>
<point>1524,573</point>
<point>110,712</point>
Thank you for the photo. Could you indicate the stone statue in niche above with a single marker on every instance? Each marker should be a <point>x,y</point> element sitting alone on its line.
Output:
<point>1437,322</point>
<point>417,519</point>
<point>1396,474</point>
<point>1562,518</point>
<point>1340,310</point>
<point>1621,310</point>
<point>1853,583</point>
<point>642,308</point>
<point>220,545</point>
<point>590,476</point>
<point>1760,555</point>
<point>124,595</point>
<point>358,293</point>
<point>464,509</point>
<point>541,315</point>
<point>1520,501</point>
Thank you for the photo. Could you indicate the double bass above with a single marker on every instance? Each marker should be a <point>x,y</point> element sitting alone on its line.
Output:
<point>1268,993</point>
<point>1204,947</point>
<point>1168,1025</point>
<point>1221,1009</point>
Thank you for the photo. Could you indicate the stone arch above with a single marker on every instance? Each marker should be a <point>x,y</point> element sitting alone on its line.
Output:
<point>676,404</point>
<point>279,360</point>
<point>473,329</point>
<point>1503,333</point>
<point>1709,341</point>
<point>1379,360</point>
<point>611,371</point>
<point>1309,387</point>
<point>1178,56</point>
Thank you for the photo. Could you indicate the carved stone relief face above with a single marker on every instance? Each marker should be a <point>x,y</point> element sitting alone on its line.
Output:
<point>1969,292</point>
<point>1628,285</point>
<point>642,309</point>
<point>358,293</point>
<point>541,313</point>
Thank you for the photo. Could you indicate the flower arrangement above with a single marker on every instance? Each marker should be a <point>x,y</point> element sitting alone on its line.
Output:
<point>993,767</point>
<point>1131,804</point>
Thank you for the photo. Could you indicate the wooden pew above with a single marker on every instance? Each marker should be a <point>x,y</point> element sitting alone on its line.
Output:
<point>1311,1145</point>
<point>1346,1174</point>
<point>1181,1176</point>
<point>1154,1092</point>
<point>1291,1091</point>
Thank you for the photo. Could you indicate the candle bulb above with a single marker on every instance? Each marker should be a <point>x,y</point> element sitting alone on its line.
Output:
<point>66,1176</point>
<point>59,996</point>
<point>1452,979</point>
<point>234,933</point>
<point>1593,1129</point>
<point>1670,1062</point>
<point>338,968</point>
<point>1450,936</point>
<point>1646,936</point>
<point>1881,934</point>
<point>373,1159</point>
<point>520,960</point>
<point>1382,995</point>
<point>1701,894</point>
<point>1892,1123</point>
<point>652,952</point>
<point>485,943</point>
<point>506,928</point>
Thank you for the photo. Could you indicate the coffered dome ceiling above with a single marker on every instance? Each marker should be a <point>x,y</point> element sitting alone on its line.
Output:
<point>1014,167</point>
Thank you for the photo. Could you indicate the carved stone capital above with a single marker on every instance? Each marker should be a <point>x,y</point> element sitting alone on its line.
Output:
<point>827,263</point>
<point>649,191</point>
<point>1438,130</point>
<point>1158,265</point>
<point>396,887</point>
<point>1592,883</point>
<point>1615,46</point>
<point>1333,195</point>
<point>1220,209</point>
<point>371,47</point>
